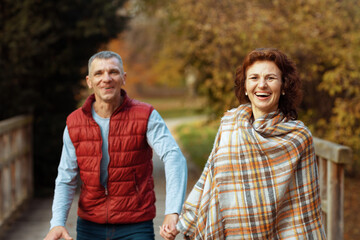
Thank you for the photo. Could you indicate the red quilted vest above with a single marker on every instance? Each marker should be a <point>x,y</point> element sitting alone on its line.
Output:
<point>129,197</point>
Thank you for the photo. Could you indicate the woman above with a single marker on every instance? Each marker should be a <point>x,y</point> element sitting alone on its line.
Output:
<point>261,179</point>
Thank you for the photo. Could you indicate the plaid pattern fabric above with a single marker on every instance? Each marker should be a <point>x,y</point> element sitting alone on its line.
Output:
<point>260,182</point>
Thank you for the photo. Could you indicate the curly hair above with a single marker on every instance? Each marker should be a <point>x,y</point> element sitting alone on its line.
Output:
<point>291,83</point>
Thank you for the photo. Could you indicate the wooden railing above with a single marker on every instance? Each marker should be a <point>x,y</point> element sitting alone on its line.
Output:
<point>332,158</point>
<point>16,166</point>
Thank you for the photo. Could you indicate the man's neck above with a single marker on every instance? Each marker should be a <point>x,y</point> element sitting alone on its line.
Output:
<point>104,109</point>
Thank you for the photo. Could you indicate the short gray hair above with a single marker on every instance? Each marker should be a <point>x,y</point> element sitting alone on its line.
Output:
<point>106,55</point>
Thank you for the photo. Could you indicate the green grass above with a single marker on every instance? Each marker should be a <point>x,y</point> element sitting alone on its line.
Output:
<point>176,106</point>
<point>197,140</point>
<point>181,112</point>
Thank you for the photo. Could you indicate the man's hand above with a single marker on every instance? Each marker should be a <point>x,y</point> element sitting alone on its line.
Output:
<point>168,230</point>
<point>58,232</point>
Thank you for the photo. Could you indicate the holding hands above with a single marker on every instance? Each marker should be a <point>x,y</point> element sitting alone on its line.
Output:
<point>168,230</point>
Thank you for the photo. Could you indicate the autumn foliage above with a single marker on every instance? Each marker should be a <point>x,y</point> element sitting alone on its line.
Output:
<point>212,37</point>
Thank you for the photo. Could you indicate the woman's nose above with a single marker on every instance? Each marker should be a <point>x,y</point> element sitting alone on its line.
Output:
<point>262,82</point>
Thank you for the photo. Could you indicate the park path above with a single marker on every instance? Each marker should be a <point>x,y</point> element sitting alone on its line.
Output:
<point>33,224</point>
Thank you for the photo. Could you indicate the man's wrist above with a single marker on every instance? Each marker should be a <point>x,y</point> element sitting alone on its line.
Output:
<point>52,225</point>
<point>172,214</point>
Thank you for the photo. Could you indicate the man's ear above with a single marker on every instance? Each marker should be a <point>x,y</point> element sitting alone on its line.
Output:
<point>124,78</point>
<point>88,81</point>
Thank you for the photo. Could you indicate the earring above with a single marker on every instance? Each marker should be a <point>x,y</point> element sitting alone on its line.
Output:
<point>283,93</point>
<point>245,93</point>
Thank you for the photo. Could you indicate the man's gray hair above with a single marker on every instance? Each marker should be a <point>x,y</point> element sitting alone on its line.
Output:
<point>106,55</point>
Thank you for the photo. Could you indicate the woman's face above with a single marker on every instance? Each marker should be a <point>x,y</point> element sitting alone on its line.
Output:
<point>263,87</point>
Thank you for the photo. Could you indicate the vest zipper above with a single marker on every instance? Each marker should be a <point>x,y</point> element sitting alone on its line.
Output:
<point>107,204</point>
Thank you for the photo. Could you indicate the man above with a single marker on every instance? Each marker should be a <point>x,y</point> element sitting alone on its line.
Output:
<point>108,142</point>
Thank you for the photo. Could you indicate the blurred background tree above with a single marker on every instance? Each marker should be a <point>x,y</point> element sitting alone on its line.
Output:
<point>212,37</point>
<point>44,48</point>
<point>198,44</point>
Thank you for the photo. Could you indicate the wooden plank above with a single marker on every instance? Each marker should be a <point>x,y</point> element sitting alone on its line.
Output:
<point>335,196</point>
<point>1,198</point>
<point>14,123</point>
<point>6,194</point>
<point>332,151</point>
<point>18,154</point>
<point>323,181</point>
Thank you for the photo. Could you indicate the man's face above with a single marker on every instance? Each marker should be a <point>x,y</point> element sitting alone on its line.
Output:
<point>106,79</point>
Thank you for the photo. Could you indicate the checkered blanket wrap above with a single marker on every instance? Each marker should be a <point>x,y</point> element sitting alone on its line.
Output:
<point>260,182</point>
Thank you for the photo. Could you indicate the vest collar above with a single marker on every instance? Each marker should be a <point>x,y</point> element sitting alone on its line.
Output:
<point>91,99</point>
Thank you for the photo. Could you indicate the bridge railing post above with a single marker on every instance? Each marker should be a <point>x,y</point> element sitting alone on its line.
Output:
<point>332,158</point>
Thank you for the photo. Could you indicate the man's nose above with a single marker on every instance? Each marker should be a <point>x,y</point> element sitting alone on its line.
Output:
<point>107,77</point>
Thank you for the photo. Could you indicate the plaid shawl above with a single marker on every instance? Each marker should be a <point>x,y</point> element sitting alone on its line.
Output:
<point>260,182</point>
